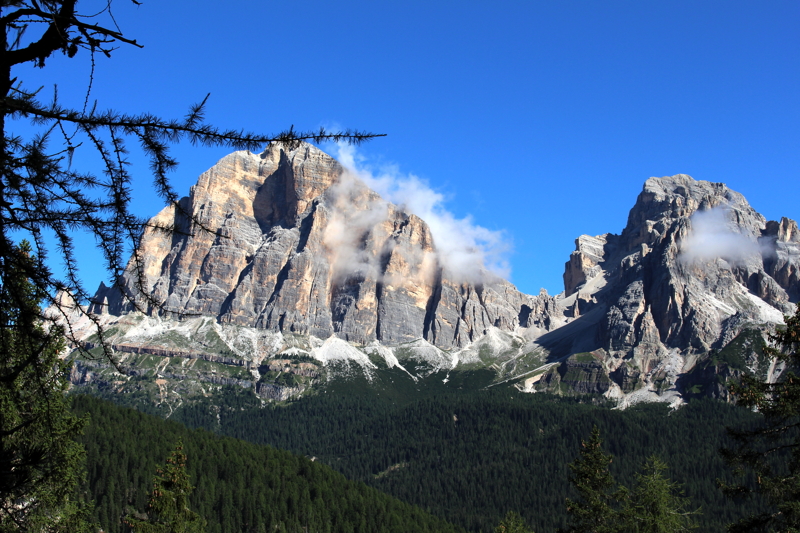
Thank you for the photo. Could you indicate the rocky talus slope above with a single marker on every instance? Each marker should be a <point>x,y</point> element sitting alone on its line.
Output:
<point>299,261</point>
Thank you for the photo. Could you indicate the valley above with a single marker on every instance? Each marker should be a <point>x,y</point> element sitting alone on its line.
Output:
<point>312,316</point>
<point>464,456</point>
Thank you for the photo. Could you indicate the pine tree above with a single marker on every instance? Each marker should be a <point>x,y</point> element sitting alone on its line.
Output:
<point>769,454</point>
<point>41,465</point>
<point>168,508</point>
<point>655,505</point>
<point>596,511</point>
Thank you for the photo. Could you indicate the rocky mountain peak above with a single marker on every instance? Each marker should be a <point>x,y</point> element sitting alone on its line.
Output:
<point>675,198</point>
<point>298,245</point>
<point>694,265</point>
<point>298,254</point>
<point>783,231</point>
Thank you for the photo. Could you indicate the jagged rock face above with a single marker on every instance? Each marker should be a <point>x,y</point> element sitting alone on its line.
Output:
<point>584,262</point>
<point>783,263</point>
<point>673,281</point>
<point>292,243</point>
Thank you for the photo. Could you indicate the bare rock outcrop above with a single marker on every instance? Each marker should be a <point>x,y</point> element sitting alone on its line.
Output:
<point>584,262</point>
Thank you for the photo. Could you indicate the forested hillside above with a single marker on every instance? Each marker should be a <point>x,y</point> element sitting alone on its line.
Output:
<point>239,486</point>
<point>471,456</point>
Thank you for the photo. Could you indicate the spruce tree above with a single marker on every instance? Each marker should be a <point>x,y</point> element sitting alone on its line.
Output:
<point>168,508</point>
<point>655,504</point>
<point>595,512</point>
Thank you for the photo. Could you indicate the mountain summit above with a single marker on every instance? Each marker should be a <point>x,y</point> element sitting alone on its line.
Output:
<point>693,268</point>
<point>283,262</point>
<point>291,242</point>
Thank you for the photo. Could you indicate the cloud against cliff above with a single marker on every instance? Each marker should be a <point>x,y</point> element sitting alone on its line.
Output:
<point>464,247</point>
<point>348,226</point>
<point>713,236</point>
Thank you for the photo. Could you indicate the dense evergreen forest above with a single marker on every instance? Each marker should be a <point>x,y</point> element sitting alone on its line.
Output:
<point>469,457</point>
<point>239,486</point>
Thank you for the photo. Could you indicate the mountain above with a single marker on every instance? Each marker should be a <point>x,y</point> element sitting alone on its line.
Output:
<point>292,243</point>
<point>694,267</point>
<point>285,273</point>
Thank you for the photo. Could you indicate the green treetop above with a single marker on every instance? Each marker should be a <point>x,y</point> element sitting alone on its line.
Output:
<point>655,505</point>
<point>512,523</point>
<point>168,509</point>
<point>595,512</point>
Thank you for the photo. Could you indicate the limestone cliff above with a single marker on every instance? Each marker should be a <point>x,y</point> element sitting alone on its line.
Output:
<point>288,241</point>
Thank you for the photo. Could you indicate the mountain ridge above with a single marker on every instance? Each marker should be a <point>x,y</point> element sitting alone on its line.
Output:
<point>302,257</point>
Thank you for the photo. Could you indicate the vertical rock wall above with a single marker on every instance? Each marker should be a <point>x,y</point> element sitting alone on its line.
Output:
<point>289,241</point>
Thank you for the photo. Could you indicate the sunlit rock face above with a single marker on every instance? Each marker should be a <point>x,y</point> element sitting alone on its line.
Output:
<point>288,241</point>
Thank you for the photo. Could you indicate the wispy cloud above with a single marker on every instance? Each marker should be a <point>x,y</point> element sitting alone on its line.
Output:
<point>714,236</point>
<point>465,249</point>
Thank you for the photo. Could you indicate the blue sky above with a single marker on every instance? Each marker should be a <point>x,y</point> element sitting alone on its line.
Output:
<point>541,120</point>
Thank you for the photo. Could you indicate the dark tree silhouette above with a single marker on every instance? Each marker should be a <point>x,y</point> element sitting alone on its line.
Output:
<point>41,464</point>
<point>596,511</point>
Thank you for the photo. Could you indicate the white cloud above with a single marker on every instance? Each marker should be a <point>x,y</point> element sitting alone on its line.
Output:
<point>348,226</point>
<point>713,236</point>
<point>465,249</point>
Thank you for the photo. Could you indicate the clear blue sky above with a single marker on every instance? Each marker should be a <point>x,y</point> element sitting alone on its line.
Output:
<point>541,119</point>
